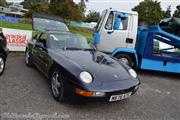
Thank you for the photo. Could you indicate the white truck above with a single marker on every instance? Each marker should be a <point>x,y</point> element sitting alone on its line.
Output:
<point>117,34</point>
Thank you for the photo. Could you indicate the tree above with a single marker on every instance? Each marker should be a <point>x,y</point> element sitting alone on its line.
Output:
<point>39,7</point>
<point>177,12</point>
<point>168,12</point>
<point>82,5</point>
<point>67,9</point>
<point>149,11</point>
<point>3,3</point>
<point>92,16</point>
<point>27,3</point>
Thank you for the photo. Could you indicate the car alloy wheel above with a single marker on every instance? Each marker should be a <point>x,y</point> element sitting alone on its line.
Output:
<point>27,57</point>
<point>2,65</point>
<point>57,86</point>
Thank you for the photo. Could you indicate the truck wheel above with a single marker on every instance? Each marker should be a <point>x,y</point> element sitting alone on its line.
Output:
<point>2,64</point>
<point>125,59</point>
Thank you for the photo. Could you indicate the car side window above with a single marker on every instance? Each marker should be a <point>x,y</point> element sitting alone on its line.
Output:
<point>109,23</point>
<point>43,38</point>
<point>34,38</point>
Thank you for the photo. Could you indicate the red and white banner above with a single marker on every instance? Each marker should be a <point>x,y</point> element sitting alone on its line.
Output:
<point>17,39</point>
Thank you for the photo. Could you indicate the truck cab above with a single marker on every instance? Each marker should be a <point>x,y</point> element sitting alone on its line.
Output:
<point>116,29</point>
<point>108,30</point>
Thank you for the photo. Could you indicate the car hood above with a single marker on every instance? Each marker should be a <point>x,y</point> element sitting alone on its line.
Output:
<point>99,65</point>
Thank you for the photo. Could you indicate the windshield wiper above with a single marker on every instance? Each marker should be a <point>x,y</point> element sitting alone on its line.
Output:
<point>72,48</point>
<point>89,49</point>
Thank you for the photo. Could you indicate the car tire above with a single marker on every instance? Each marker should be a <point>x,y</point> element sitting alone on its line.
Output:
<point>125,59</point>
<point>28,60</point>
<point>2,64</point>
<point>57,87</point>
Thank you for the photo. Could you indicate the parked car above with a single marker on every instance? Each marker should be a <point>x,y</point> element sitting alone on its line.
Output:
<point>78,71</point>
<point>3,52</point>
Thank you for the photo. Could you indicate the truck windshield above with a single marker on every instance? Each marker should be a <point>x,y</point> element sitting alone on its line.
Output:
<point>68,41</point>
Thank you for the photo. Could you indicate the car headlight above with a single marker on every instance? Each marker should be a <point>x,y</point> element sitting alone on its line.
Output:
<point>132,73</point>
<point>86,77</point>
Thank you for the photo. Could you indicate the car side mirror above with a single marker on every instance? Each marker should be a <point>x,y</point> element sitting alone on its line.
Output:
<point>91,45</point>
<point>34,40</point>
<point>40,44</point>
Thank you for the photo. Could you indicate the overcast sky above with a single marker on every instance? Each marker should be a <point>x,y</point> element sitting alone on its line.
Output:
<point>100,5</point>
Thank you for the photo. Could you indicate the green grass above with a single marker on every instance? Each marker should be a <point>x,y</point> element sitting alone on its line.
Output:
<point>23,26</point>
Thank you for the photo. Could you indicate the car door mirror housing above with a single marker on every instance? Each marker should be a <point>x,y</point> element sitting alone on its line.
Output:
<point>91,45</point>
<point>40,44</point>
<point>34,40</point>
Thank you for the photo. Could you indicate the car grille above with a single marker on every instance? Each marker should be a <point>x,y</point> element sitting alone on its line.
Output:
<point>122,91</point>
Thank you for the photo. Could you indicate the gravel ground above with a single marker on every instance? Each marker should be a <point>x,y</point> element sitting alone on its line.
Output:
<point>24,93</point>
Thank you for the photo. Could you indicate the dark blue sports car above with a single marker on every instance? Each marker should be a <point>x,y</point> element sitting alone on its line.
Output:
<point>77,70</point>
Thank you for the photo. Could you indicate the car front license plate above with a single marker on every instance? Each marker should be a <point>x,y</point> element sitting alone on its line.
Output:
<point>119,97</point>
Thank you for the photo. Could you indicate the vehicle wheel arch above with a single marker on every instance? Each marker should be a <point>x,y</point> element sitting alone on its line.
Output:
<point>3,53</point>
<point>27,48</point>
<point>54,66</point>
<point>62,70</point>
<point>56,70</point>
<point>4,63</point>
<point>131,55</point>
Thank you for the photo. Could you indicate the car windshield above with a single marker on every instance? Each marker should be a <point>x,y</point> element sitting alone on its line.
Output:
<point>41,24</point>
<point>68,41</point>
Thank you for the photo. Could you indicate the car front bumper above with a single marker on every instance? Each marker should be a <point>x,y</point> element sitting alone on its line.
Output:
<point>74,97</point>
<point>105,98</point>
